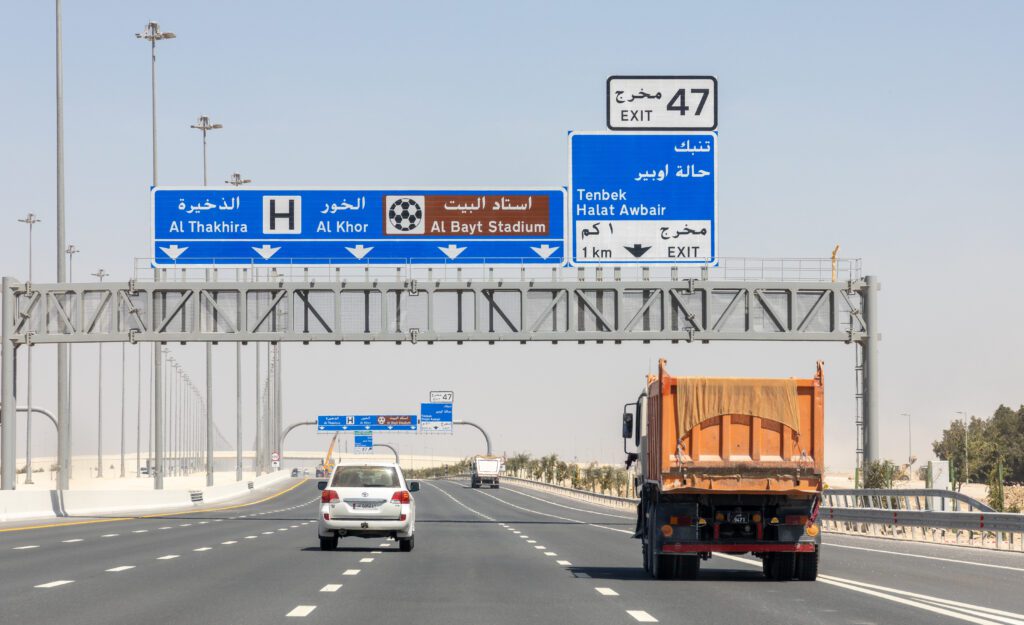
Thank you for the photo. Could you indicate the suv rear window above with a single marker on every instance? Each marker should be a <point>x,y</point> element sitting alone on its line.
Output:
<point>366,477</point>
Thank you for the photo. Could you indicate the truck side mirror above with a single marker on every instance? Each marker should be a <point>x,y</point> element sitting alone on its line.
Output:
<point>636,438</point>
<point>322,484</point>
<point>414,487</point>
<point>627,425</point>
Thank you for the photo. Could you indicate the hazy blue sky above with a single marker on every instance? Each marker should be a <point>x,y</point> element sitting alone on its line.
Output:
<point>893,129</point>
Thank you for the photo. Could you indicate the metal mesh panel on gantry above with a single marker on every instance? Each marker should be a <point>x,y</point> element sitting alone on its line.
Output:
<point>173,311</point>
<point>61,312</point>
<point>595,310</point>
<point>132,311</point>
<point>406,311</point>
<point>726,310</point>
<point>98,311</point>
<point>266,311</point>
<point>360,312</point>
<point>453,311</point>
<point>500,311</point>
<point>547,311</point>
<point>686,310</point>
<point>769,311</point>
<point>313,311</point>
<point>642,310</point>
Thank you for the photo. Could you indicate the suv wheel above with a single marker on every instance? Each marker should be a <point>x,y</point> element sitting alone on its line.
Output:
<point>328,543</point>
<point>406,544</point>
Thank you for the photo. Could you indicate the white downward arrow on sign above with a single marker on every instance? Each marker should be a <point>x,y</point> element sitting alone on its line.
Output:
<point>452,251</point>
<point>359,251</point>
<point>266,251</point>
<point>173,251</point>
<point>545,250</point>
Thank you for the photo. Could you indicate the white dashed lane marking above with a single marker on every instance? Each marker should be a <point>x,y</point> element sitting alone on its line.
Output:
<point>550,553</point>
<point>166,527</point>
<point>351,572</point>
<point>539,547</point>
<point>366,560</point>
<point>139,531</point>
<point>249,537</point>
<point>203,549</point>
<point>376,552</point>
<point>167,557</point>
<point>54,584</point>
<point>27,547</point>
<point>607,592</point>
<point>330,588</point>
<point>229,542</point>
<point>109,535</point>
<point>301,610</point>
<point>118,569</point>
<point>563,563</point>
<point>72,540</point>
<point>641,616</point>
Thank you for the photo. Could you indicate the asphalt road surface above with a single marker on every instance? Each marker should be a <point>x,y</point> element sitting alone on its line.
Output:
<point>510,555</point>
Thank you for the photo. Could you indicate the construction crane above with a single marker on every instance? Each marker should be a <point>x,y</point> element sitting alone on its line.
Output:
<point>325,468</point>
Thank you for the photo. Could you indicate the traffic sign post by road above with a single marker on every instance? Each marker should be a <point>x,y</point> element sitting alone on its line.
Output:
<point>363,442</point>
<point>208,226</point>
<point>436,417</point>
<point>662,103</point>
<point>378,423</point>
<point>643,198</point>
<point>275,456</point>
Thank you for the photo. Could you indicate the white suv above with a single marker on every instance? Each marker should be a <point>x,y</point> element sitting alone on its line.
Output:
<point>367,499</point>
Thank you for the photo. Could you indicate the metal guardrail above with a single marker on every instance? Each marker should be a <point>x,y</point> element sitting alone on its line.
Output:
<point>582,495</point>
<point>902,499</point>
<point>882,513</point>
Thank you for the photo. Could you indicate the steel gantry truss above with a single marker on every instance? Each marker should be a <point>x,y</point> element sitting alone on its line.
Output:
<point>561,306</point>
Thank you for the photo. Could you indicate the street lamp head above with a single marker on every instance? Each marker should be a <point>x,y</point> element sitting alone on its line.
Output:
<point>71,250</point>
<point>100,273</point>
<point>30,219</point>
<point>152,33</point>
<point>203,123</point>
<point>237,180</point>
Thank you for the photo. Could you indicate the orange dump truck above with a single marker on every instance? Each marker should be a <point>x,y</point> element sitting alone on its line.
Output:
<point>728,465</point>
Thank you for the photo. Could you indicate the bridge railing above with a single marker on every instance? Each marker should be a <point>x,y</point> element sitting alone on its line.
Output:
<point>922,515</point>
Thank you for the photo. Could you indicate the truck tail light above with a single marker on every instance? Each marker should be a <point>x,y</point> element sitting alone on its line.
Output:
<point>401,496</point>
<point>328,496</point>
<point>666,530</point>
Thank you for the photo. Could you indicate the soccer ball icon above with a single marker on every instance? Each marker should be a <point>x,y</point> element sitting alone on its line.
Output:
<point>405,215</point>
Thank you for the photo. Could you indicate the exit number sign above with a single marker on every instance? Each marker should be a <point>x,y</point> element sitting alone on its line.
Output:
<point>662,103</point>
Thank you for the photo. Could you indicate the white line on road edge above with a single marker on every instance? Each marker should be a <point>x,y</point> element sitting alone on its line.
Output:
<point>553,516</point>
<point>118,569</point>
<point>617,516</point>
<point>916,555</point>
<point>351,572</point>
<point>449,496</point>
<point>167,557</point>
<point>946,607</point>
<point>330,588</point>
<point>54,584</point>
<point>301,610</point>
<point>607,592</point>
<point>641,616</point>
<point>27,547</point>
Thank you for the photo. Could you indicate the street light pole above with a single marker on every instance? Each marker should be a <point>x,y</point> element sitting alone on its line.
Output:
<point>910,452</point>
<point>63,350</point>
<point>31,220</point>
<point>967,460</point>
<point>203,124</point>
<point>64,482</point>
<point>237,181</point>
<point>152,34</point>
<point>99,273</point>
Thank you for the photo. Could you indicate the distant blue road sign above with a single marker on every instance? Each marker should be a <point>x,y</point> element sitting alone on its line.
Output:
<point>378,423</point>
<point>230,226</point>
<point>643,198</point>
<point>363,443</point>
<point>436,417</point>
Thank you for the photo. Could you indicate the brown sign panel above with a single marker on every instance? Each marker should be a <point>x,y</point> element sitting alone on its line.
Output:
<point>467,215</point>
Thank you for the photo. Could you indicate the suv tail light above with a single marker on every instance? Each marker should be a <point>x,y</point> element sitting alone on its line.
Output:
<point>401,496</point>
<point>328,496</point>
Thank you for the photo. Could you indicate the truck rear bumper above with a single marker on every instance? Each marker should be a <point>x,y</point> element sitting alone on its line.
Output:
<point>737,547</point>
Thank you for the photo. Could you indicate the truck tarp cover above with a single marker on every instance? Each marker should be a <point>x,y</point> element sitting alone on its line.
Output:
<point>484,465</point>
<point>699,399</point>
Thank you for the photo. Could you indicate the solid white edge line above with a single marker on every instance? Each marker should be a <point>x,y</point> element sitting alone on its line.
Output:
<point>924,557</point>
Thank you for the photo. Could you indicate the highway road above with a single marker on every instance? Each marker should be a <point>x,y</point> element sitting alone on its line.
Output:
<point>511,555</point>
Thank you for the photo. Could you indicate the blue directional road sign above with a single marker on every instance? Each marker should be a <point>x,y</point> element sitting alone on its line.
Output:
<point>376,423</point>
<point>643,198</point>
<point>363,442</point>
<point>209,226</point>
<point>436,417</point>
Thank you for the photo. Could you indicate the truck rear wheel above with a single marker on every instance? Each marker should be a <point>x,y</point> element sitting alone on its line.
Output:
<point>687,567</point>
<point>662,567</point>
<point>328,543</point>
<point>782,567</point>
<point>807,566</point>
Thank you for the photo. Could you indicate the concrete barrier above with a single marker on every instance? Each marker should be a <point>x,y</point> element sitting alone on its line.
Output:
<point>18,505</point>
